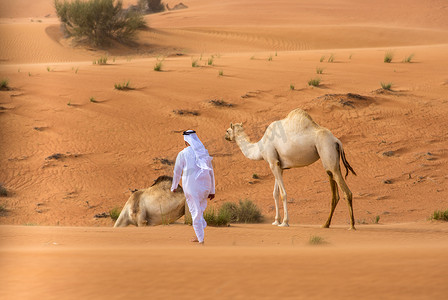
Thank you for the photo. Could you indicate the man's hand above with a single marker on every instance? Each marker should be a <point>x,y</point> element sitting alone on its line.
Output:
<point>211,196</point>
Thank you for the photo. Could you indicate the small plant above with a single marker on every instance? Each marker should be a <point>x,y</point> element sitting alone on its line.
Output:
<point>114,213</point>
<point>331,58</point>
<point>92,99</point>
<point>316,240</point>
<point>252,57</point>
<point>230,209</point>
<point>125,86</point>
<point>248,212</point>
<point>216,219</point>
<point>29,74</point>
<point>376,220</point>
<point>270,58</point>
<point>322,58</point>
<point>221,73</point>
<point>408,59</point>
<point>319,70</point>
<point>194,63</point>
<point>48,69</point>
<point>275,53</point>
<point>291,87</point>
<point>101,61</point>
<point>314,82</point>
<point>386,86</point>
<point>210,61</point>
<point>255,176</point>
<point>3,191</point>
<point>18,70</point>
<point>158,66</point>
<point>245,212</point>
<point>388,56</point>
<point>4,85</point>
<point>76,71</point>
<point>440,215</point>
<point>350,57</point>
<point>69,103</point>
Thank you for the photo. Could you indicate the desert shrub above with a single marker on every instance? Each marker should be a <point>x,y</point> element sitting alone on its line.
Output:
<point>101,61</point>
<point>3,191</point>
<point>322,58</point>
<point>123,86</point>
<point>158,66</point>
<point>230,209</point>
<point>440,215</point>
<point>151,6</point>
<point>4,85</point>
<point>386,85</point>
<point>98,20</point>
<point>248,212</point>
<point>408,59</point>
<point>388,56</point>
<point>114,213</point>
<point>314,82</point>
<point>221,218</point>
<point>331,58</point>
<point>319,70</point>
<point>316,240</point>
<point>291,87</point>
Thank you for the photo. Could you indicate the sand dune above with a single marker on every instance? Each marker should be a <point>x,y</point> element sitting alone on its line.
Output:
<point>65,158</point>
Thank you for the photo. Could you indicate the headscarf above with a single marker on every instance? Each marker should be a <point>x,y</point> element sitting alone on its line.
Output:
<point>203,159</point>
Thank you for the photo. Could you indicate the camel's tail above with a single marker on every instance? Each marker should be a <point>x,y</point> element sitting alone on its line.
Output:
<point>344,160</point>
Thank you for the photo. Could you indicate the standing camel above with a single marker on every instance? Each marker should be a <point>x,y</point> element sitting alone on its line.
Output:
<point>297,141</point>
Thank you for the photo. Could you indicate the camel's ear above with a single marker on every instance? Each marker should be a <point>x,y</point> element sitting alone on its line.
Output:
<point>231,125</point>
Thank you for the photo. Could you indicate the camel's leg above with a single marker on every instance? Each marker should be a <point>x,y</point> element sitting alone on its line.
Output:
<point>278,174</point>
<point>141,218</point>
<point>334,198</point>
<point>276,195</point>
<point>348,195</point>
<point>123,219</point>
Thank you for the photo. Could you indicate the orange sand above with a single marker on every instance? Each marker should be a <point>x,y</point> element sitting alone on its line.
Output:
<point>111,146</point>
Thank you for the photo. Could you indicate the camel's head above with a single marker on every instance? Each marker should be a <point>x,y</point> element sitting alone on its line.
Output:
<point>233,130</point>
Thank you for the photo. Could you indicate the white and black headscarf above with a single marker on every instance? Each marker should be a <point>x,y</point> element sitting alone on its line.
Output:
<point>203,159</point>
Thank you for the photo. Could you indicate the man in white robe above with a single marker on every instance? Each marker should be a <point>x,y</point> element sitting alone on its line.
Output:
<point>194,164</point>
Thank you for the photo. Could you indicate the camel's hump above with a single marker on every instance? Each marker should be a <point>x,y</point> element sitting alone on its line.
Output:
<point>161,179</point>
<point>299,119</point>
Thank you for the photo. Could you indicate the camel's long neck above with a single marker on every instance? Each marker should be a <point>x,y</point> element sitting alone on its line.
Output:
<point>250,150</point>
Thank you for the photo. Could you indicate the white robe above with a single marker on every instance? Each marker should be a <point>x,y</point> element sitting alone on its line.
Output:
<point>197,184</point>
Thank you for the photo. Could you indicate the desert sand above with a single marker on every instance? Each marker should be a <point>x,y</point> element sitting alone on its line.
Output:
<point>65,159</point>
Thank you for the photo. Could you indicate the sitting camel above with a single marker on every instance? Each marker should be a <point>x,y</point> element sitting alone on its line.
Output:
<point>155,205</point>
<point>297,141</point>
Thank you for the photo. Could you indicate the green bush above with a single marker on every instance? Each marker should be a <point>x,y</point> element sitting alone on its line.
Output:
<point>99,21</point>
<point>388,56</point>
<point>440,215</point>
<point>230,209</point>
<point>4,85</point>
<point>248,212</point>
<point>314,82</point>
<point>386,85</point>
<point>115,213</point>
<point>216,219</point>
